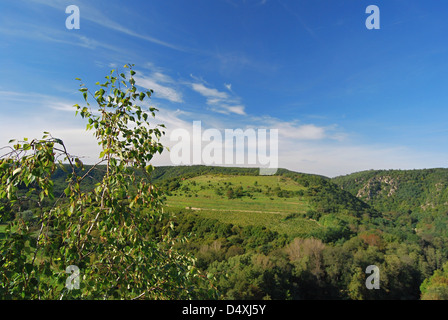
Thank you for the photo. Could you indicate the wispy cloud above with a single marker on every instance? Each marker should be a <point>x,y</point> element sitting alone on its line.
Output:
<point>36,100</point>
<point>220,101</point>
<point>61,106</point>
<point>210,93</point>
<point>237,3</point>
<point>159,82</point>
<point>299,18</point>
<point>92,14</point>
<point>296,130</point>
<point>36,32</point>
<point>303,132</point>
<point>234,109</point>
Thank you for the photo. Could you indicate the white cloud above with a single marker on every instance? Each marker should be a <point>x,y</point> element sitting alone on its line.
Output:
<point>159,76</point>
<point>42,33</point>
<point>235,109</point>
<point>220,101</point>
<point>61,106</point>
<point>302,132</point>
<point>209,93</point>
<point>94,15</point>
<point>160,91</point>
<point>297,131</point>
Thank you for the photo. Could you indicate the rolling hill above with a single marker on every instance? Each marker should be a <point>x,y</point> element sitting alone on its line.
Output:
<point>289,203</point>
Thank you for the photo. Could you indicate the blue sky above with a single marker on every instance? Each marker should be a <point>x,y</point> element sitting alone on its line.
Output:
<point>343,97</point>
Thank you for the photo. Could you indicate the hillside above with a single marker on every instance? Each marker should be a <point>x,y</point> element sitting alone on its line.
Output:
<point>400,190</point>
<point>417,199</point>
<point>290,203</point>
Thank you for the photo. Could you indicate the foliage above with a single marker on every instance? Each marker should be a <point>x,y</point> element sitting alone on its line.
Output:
<point>436,287</point>
<point>106,230</point>
<point>255,263</point>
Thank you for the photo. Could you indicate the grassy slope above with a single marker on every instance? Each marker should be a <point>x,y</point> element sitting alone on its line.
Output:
<point>313,205</point>
<point>199,194</point>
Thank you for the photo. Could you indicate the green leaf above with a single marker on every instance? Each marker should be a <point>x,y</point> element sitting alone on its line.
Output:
<point>78,163</point>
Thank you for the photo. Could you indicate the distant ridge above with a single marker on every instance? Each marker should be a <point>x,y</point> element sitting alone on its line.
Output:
<point>400,190</point>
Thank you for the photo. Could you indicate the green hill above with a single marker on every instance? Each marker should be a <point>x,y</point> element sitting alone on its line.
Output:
<point>270,201</point>
<point>399,190</point>
<point>416,198</point>
<point>290,203</point>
